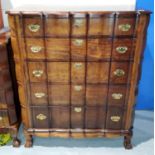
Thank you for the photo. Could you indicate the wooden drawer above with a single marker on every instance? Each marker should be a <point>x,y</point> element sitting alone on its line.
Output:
<point>32,25</point>
<point>35,48</point>
<point>37,71</point>
<point>58,48</point>
<point>123,49</point>
<point>3,57</point>
<point>60,117</point>
<point>12,115</point>
<point>78,72</point>
<point>117,95</point>
<point>57,25</point>
<point>78,49</point>
<point>97,72</point>
<point>39,95</point>
<point>4,119</point>
<point>79,24</point>
<point>59,94</point>
<point>5,77</point>
<point>40,117</point>
<point>99,49</point>
<point>96,94</point>
<point>115,116</point>
<point>125,24</point>
<point>78,94</point>
<point>58,72</point>
<point>101,25</point>
<point>95,118</point>
<point>120,72</point>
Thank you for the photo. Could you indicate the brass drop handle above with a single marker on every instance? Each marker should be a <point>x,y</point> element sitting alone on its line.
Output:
<point>78,42</point>
<point>41,117</point>
<point>124,27</point>
<point>115,118</point>
<point>39,95</point>
<point>78,88</point>
<point>1,118</point>
<point>78,109</point>
<point>36,49</point>
<point>119,72</point>
<point>34,27</point>
<point>117,96</point>
<point>78,65</point>
<point>121,49</point>
<point>37,73</point>
<point>78,22</point>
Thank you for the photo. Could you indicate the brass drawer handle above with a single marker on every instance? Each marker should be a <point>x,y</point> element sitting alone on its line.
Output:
<point>41,117</point>
<point>121,49</point>
<point>1,118</point>
<point>78,42</point>
<point>124,27</point>
<point>78,65</point>
<point>78,88</point>
<point>39,95</point>
<point>34,27</point>
<point>36,49</point>
<point>115,118</point>
<point>117,96</point>
<point>78,22</point>
<point>119,72</point>
<point>77,109</point>
<point>37,73</point>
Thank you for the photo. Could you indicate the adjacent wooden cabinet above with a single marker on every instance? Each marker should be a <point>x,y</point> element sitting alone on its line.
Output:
<point>9,103</point>
<point>78,72</point>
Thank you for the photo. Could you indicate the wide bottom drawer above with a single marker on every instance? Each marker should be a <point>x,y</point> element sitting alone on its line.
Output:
<point>77,117</point>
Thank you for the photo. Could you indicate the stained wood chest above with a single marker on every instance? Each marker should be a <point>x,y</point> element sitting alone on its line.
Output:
<point>78,72</point>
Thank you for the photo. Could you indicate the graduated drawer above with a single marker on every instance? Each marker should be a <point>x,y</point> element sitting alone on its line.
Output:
<point>75,117</point>
<point>80,49</point>
<point>61,25</point>
<point>90,95</point>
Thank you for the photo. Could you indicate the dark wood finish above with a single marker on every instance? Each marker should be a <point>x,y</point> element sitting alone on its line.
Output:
<point>77,72</point>
<point>9,103</point>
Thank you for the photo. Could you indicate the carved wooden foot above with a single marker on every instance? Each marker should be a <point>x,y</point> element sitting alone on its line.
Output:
<point>127,141</point>
<point>28,138</point>
<point>16,142</point>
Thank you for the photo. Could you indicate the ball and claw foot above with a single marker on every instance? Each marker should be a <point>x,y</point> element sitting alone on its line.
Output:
<point>16,142</point>
<point>28,144</point>
<point>127,142</point>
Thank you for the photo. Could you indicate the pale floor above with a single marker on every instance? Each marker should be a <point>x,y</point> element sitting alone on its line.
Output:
<point>142,140</point>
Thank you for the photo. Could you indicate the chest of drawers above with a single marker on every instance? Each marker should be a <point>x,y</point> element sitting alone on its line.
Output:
<point>78,72</point>
<point>8,102</point>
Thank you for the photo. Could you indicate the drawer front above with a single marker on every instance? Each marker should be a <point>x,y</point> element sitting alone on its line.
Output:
<point>114,118</point>
<point>12,115</point>
<point>77,117</point>
<point>78,49</point>
<point>97,72</point>
<point>79,25</point>
<point>5,77</point>
<point>99,49</point>
<point>4,119</point>
<point>58,48</point>
<point>96,94</point>
<point>37,71</point>
<point>125,26</point>
<point>33,25</point>
<point>100,26</point>
<point>3,57</point>
<point>120,72</point>
<point>57,25</point>
<point>40,117</point>
<point>58,72</point>
<point>59,94</point>
<point>60,117</point>
<point>39,94</point>
<point>95,118</point>
<point>78,72</point>
<point>117,95</point>
<point>35,48</point>
<point>78,94</point>
<point>123,49</point>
